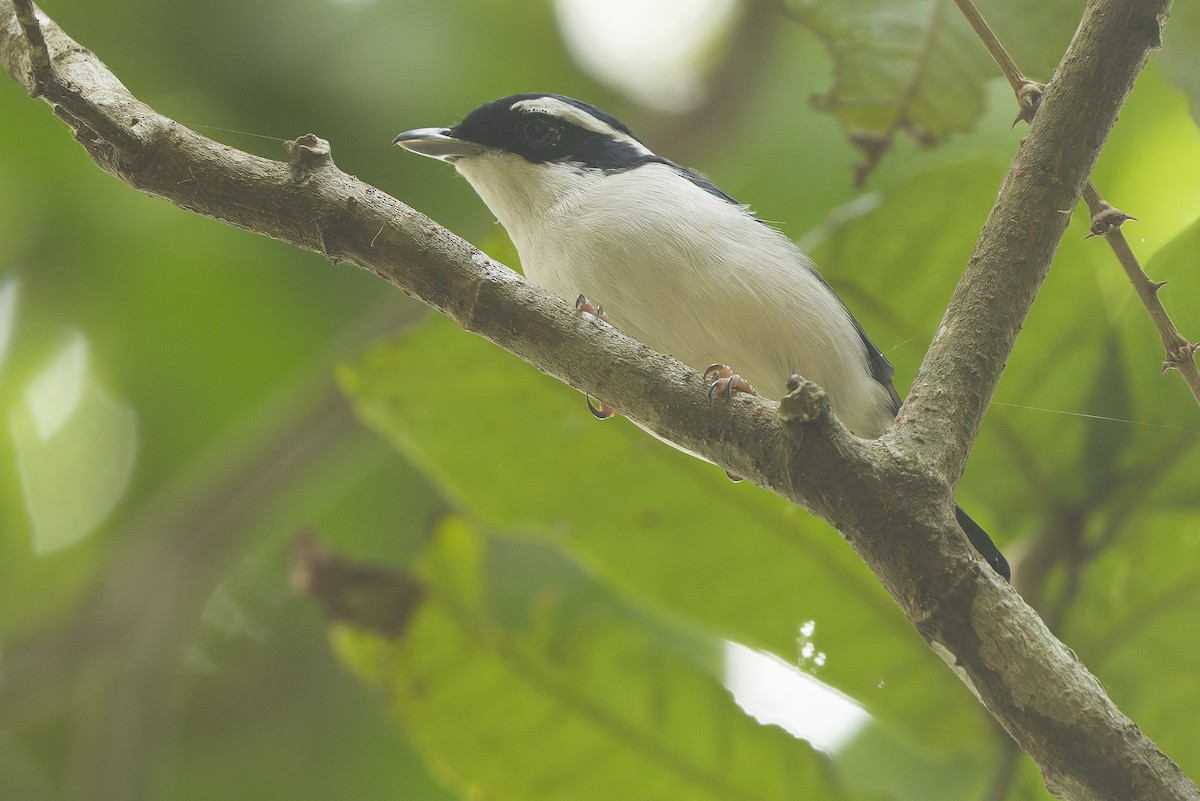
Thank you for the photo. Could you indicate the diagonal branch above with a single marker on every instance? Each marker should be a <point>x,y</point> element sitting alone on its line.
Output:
<point>1106,220</point>
<point>959,374</point>
<point>883,496</point>
<point>1180,354</point>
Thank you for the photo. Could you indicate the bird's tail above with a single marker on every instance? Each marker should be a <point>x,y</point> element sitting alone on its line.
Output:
<point>983,543</point>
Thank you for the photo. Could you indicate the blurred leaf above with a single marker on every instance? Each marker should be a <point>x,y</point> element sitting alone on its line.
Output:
<point>20,773</point>
<point>523,675</point>
<point>8,317</point>
<point>1149,169</point>
<point>1109,397</point>
<point>1135,612</point>
<point>1180,55</point>
<point>1177,263</point>
<point>520,450</point>
<point>75,445</point>
<point>915,66</point>
<point>283,699</point>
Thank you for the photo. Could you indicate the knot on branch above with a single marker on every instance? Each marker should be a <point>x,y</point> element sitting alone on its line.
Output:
<point>1029,99</point>
<point>1106,219</point>
<point>309,152</point>
<point>804,403</point>
<point>1179,356</point>
<point>1160,20</point>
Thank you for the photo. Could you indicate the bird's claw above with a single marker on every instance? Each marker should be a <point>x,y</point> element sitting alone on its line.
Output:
<point>726,382</point>
<point>596,310</point>
<point>600,410</point>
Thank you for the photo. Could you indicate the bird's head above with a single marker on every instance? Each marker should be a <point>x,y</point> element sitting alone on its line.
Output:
<point>524,154</point>
<point>527,154</point>
<point>538,129</point>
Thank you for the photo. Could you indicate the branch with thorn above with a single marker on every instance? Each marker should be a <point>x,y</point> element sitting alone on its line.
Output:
<point>1106,220</point>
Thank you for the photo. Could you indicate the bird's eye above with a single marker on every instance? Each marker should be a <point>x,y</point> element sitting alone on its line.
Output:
<point>539,132</point>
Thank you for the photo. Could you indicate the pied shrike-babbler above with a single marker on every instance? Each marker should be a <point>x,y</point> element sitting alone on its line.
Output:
<point>676,262</point>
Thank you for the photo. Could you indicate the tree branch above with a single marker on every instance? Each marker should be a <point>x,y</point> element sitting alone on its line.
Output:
<point>1029,93</point>
<point>1180,354</point>
<point>883,496</point>
<point>1106,221</point>
<point>956,380</point>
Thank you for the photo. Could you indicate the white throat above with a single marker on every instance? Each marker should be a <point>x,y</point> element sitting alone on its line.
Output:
<point>521,194</point>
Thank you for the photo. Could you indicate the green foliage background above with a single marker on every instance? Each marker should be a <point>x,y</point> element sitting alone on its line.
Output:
<point>181,399</point>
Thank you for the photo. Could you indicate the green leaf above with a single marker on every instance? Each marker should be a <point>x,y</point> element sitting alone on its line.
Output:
<point>1180,55</point>
<point>520,450</point>
<point>915,66</point>
<point>1136,608</point>
<point>524,675</point>
<point>66,424</point>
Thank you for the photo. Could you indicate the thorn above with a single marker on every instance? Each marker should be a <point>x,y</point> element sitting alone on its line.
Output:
<point>1029,98</point>
<point>1157,285</point>
<point>1107,220</point>
<point>1024,115</point>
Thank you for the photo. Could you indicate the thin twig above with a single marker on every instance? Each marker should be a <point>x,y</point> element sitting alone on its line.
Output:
<point>1106,220</point>
<point>992,42</point>
<point>1029,93</point>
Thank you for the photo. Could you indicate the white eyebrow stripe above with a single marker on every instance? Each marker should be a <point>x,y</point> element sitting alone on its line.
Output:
<point>577,116</point>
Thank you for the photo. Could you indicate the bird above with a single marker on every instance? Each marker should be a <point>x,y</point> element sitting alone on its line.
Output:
<point>659,251</point>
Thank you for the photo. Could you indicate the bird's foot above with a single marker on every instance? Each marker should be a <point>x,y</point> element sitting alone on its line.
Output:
<point>596,310</point>
<point>726,383</point>
<point>601,411</point>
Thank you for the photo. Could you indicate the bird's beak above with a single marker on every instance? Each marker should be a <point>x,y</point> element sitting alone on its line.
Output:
<point>437,143</point>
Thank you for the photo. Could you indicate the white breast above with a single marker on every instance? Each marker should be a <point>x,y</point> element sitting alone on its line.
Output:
<point>707,283</point>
